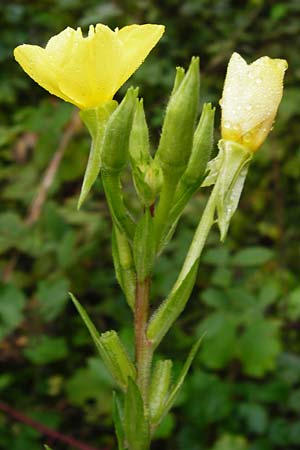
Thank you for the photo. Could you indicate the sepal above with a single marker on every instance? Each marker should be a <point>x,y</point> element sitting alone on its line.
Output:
<point>228,172</point>
<point>95,120</point>
<point>177,133</point>
<point>147,173</point>
<point>117,132</point>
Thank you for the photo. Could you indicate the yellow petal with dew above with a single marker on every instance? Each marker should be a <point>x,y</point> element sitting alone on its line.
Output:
<point>251,97</point>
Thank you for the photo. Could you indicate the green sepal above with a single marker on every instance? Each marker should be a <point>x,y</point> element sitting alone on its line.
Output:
<point>228,172</point>
<point>136,425</point>
<point>180,72</point>
<point>202,147</point>
<point>110,349</point>
<point>95,119</point>
<point>117,132</point>
<point>193,176</point>
<point>180,380</point>
<point>147,173</point>
<point>159,390</point>
<point>114,196</point>
<point>170,309</point>
<point>144,246</point>
<point>177,133</point>
<point>124,265</point>
<point>118,418</point>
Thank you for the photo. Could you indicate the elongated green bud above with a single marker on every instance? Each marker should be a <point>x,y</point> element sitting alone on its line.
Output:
<point>124,265</point>
<point>116,358</point>
<point>178,128</point>
<point>144,246</point>
<point>202,146</point>
<point>159,389</point>
<point>95,119</point>
<point>139,136</point>
<point>147,173</point>
<point>116,137</point>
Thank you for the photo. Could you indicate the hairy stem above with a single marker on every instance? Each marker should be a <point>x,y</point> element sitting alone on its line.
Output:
<point>143,346</point>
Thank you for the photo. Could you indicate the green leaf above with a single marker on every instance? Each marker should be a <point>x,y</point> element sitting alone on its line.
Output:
<point>118,417</point>
<point>219,345</point>
<point>293,304</point>
<point>179,382</point>
<point>252,256</point>
<point>53,296</point>
<point>166,314</point>
<point>45,350</point>
<point>231,442</point>
<point>12,301</point>
<point>110,349</point>
<point>259,347</point>
<point>11,231</point>
<point>135,423</point>
<point>159,389</point>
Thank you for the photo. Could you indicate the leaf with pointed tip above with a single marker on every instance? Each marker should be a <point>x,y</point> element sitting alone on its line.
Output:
<point>166,314</point>
<point>182,375</point>
<point>110,348</point>
<point>118,417</point>
<point>135,423</point>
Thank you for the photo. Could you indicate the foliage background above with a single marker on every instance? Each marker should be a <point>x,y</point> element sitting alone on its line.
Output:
<point>243,392</point>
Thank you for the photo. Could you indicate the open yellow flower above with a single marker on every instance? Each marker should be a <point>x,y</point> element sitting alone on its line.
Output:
<point>251,97</point>
<point>87,71</point>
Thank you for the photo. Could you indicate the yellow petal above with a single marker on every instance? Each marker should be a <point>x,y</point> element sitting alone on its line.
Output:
<point>36,63</point>
<point>251,97</point>
<point>88,71</point>
<point>137,42</point>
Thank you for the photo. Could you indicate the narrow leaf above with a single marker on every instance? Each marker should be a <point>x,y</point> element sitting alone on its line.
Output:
<point>118,417</point>
<point>163,318</point>
<point>110,358</point>
<point>169,403</point>
<point>135,423</point>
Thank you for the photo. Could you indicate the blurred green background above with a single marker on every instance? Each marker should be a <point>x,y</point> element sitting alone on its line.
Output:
<point>243,392</point>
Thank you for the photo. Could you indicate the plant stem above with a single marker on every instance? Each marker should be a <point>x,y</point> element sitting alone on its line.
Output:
<point>143,346</point>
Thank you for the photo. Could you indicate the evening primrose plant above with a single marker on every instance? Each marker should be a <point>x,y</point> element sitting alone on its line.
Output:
<point>87,71</point>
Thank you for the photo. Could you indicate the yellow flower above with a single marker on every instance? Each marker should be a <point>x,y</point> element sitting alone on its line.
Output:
<point>251,97</point>
<point>88,71</point>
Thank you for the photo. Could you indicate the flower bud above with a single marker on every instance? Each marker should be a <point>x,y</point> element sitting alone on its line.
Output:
<point>147,173</point>
<point>159,389</point>
<point>202,146</point>
<point>251,97</point>
<point>114,154</point>
<point>177,134</point>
